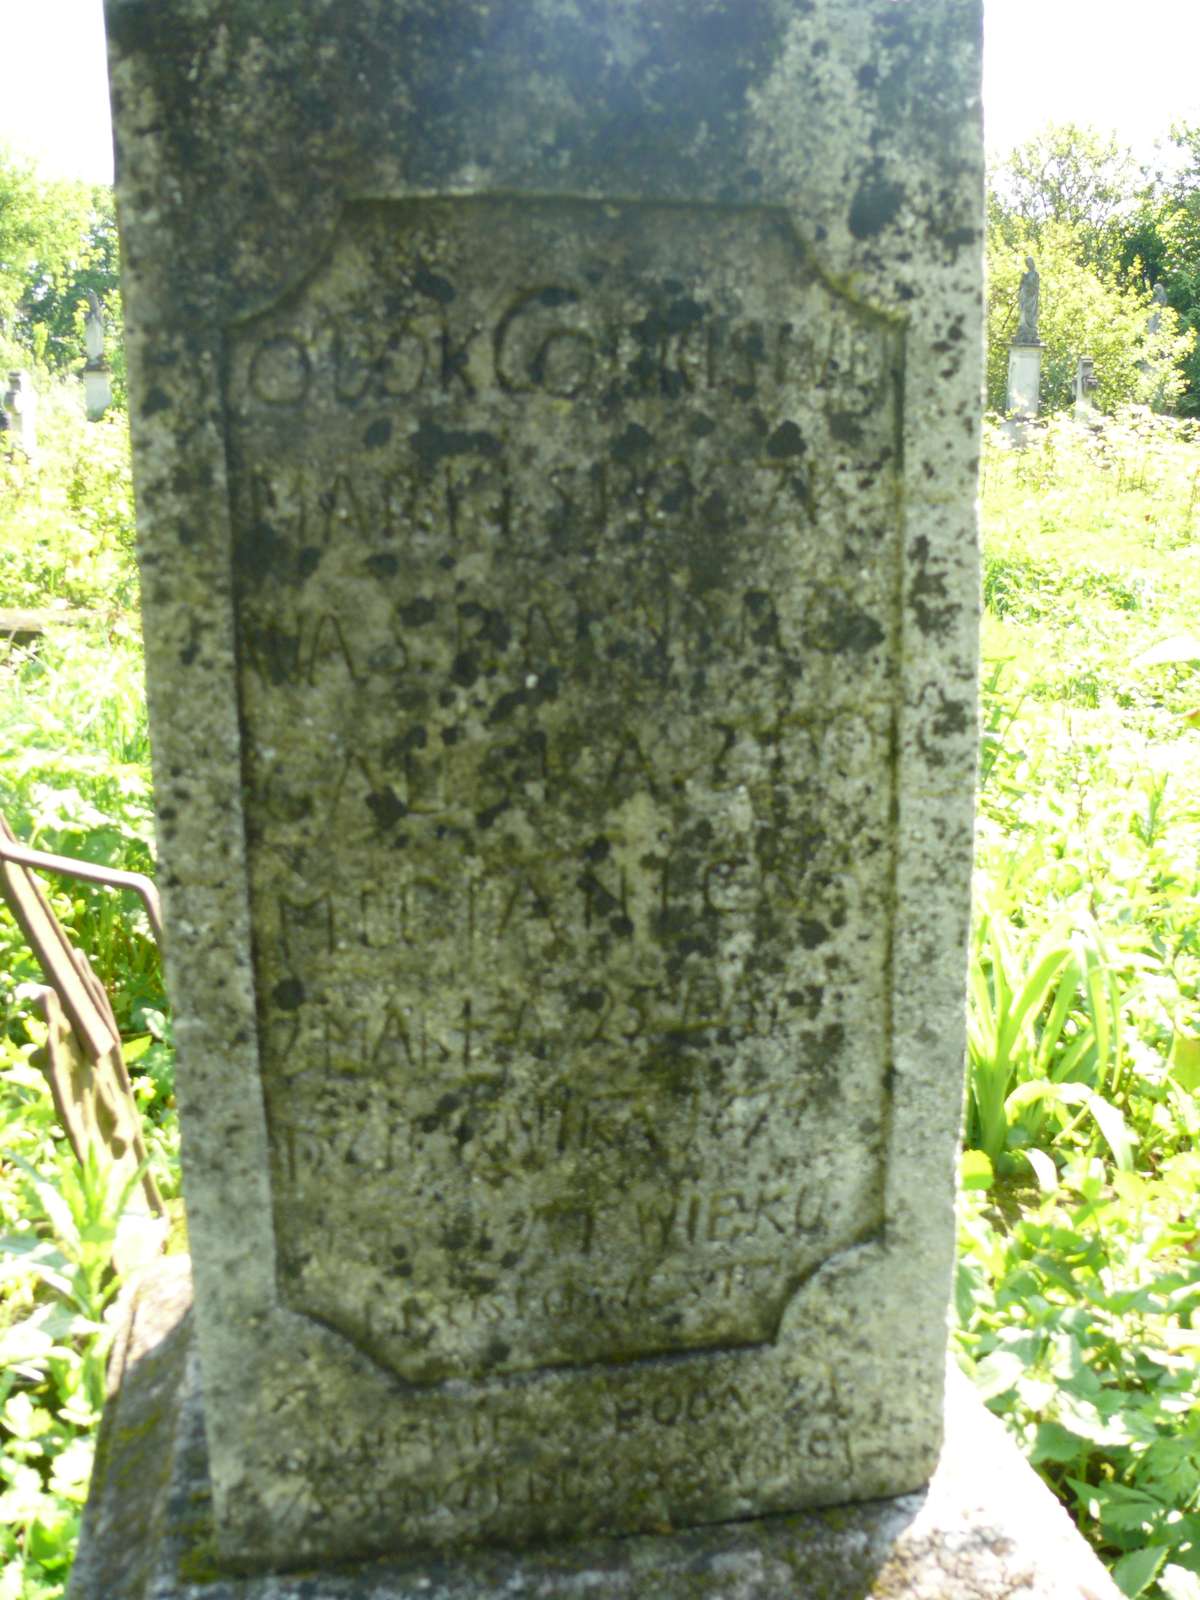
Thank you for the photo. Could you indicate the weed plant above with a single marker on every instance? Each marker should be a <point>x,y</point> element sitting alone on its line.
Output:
<point>1078,1290</point>
<point>74,779</point>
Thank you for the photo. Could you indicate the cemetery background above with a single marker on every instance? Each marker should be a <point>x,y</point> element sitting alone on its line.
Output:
<point>1077,1283</point>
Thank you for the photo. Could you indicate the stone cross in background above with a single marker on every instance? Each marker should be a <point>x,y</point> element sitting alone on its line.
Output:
<point>97,374</point>
<point>556,436</point>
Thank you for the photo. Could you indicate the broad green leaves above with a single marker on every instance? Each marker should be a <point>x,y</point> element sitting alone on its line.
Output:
<point>1078,1286</point>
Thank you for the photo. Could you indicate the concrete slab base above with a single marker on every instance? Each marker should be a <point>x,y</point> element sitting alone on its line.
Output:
<point>985,1528</point>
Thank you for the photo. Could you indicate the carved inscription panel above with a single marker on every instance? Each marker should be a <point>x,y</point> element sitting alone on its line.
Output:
<point>566,558</point>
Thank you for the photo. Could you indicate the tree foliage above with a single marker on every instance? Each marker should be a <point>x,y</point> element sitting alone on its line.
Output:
<point>1069,177</point>
<point>1077,201</point>
<point>1083,312</point>
<point>1162,245</point>
<point>57,240</point>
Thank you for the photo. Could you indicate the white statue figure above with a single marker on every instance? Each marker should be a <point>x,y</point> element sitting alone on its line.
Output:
<point>1027,299</point>
<point>93,329</point>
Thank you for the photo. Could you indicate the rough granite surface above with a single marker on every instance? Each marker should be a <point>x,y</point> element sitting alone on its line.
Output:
<point>986,1528</point>
<point>555,440</point>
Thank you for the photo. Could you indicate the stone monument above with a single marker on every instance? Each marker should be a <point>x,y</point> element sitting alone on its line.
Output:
<point>1025,352</point>
<point>556,433</point>
<point>1086,384</point>
<point>20,405</point>
<point>1158,297</point>
<point>97,374</point>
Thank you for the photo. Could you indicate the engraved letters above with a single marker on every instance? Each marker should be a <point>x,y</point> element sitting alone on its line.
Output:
<point>568,693</point>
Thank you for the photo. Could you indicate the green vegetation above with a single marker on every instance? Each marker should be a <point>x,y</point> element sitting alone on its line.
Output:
<point>1078,1292</point>
<point>1103,231</point>
<point>57,241</point>
<point>74,778</point>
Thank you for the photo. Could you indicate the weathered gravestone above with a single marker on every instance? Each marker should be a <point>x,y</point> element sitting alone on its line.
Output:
<point>556,434</point>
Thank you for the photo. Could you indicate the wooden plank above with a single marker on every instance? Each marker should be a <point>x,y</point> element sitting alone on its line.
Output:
<point>31,620</point>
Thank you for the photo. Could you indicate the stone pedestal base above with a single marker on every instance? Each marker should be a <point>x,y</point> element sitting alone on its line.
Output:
<point>1024,379</point>
<point>97,391</point>
<point>985,1529</point>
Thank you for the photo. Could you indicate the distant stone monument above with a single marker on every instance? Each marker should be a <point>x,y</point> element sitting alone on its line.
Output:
<point>555,435</point>
<point>1086,383</point>
<point>1159,297</point>
<point>97,374</point>
<point>20,406</point>
<point>1025,352</point>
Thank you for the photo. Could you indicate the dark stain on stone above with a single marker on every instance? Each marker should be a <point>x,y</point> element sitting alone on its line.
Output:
<point>434,285</point>
<point>927,594</point>
<point>433,443</point>
<point>415,739</point>
<point>635,441</point>
<point>845,628</point>
<point>951,717</point>
<point>555,295</point>
<point>875,204</point>
<point>383,566</point>
<point>844,428</point>
<point>386,806</point>
<point>714,512</point>
<point>288,995</point>
<point>259,552</point>
<point>484,819</point>
<point>466,668</point>
<point>378,433</point>
<point>418,612</point>
<point>156,400</point>
<point>308,561</point>
<point>787,440</point>
<point>505,706</point>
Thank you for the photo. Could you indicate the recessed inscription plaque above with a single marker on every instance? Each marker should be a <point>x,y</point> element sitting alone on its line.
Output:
<point>567,685</point>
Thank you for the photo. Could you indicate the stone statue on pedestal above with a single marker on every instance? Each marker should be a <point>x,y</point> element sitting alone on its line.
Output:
<point>1030,291</point>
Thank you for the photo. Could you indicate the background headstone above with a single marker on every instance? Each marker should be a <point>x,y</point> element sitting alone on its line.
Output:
<point>1159,297</point>
<point>1086,384</point>
<point>556,440</point>
<point>20,404</point>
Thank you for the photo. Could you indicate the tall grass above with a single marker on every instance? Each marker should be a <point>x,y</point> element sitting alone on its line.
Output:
<point>74,779</point>
<point>1079,1276</point>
